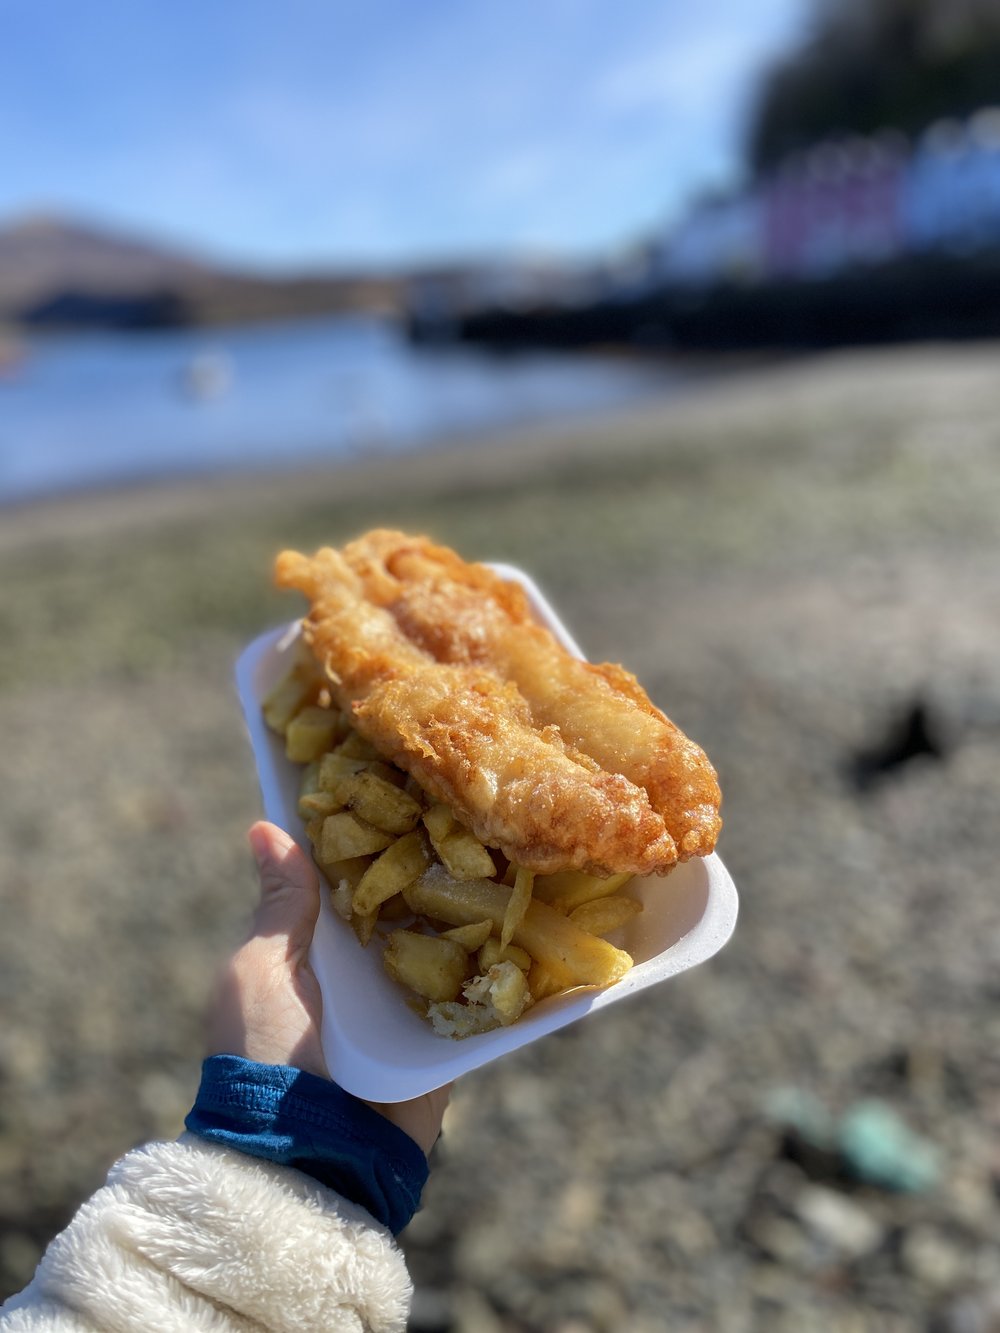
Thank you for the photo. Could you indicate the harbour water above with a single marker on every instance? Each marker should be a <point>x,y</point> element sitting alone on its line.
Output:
<point>105,408</point>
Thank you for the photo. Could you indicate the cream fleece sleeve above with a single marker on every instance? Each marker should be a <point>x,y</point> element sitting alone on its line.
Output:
<point>188,1236</point>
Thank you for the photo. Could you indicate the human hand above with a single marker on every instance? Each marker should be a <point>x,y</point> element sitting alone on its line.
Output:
<point>268,1005</point>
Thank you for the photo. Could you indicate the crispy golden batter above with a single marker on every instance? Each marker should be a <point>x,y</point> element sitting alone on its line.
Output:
<point>470,739</point>
<point>465,614</point>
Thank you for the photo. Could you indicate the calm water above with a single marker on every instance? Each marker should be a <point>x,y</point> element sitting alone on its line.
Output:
<point>101,408</point>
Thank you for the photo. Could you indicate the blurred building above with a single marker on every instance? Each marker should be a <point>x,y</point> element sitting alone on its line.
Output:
<point>720,240</point>
<point>846,204</point>
<point>837,206</point>
<point>951,192</point>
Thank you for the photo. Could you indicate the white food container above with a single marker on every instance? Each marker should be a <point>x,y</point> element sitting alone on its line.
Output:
<point>375,1045</point>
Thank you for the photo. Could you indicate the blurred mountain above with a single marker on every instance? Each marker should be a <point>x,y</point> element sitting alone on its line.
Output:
<point>41,254</point>
<point>869,65</point>
<point>58,272</point>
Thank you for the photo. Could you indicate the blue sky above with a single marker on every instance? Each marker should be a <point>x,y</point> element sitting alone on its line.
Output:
<point>319,132</point>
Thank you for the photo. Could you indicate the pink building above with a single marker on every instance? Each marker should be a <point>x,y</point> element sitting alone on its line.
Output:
<point>838,205</point>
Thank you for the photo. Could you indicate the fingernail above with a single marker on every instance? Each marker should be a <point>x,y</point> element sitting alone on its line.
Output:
<point>260,846</point>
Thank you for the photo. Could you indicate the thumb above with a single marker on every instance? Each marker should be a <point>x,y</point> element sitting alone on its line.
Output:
<point>289,889</point>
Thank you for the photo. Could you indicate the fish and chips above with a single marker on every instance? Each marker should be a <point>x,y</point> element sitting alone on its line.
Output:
<point>469,787</point>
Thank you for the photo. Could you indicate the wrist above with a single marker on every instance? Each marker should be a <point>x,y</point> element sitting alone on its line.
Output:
<point>300,1120</point>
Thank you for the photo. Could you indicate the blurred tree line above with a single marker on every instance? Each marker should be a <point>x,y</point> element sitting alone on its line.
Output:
<point>869,65</point>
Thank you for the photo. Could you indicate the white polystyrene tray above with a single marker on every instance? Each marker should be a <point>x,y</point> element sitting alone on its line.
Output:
<point>375,1045</point>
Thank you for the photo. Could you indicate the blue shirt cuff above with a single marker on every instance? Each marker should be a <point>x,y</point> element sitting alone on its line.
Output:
<point>297,1119</point>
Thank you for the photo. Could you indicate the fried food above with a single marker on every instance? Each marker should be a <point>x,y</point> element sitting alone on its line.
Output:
<point>465,615</point>
<point>477,798</point>
<point>469,738</point>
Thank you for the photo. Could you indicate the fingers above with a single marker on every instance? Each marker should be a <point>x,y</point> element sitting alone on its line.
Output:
<point>268,1005</point>
<point>289,889</point>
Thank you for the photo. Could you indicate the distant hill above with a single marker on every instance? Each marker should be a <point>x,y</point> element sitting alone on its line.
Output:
<point>59,272</point>
<point>39,255</point>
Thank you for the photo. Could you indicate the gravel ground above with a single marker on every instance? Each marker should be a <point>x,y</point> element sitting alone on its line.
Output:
<point>802,1134</point>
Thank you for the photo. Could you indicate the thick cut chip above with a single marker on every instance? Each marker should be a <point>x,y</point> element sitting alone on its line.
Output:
<point>567,889</point>
<point>431,966</point>
<point>356,747</point>
<point>312,732</point>
<point>363,925</point>
<point>471,937</point>
<point>461,853</point>
<point>335,768</point>
<point>318,804</point>
<point>378,802</point>
<point>547,979</point>
<point>517,905</point>
<point>344,836</point>
<point>604,915</point>
<point>464,856</point>
<point>349,869</point>
<point>491,953</point>
<point>439,822</point>
<point>389,873</point>
<point>343,878</point>
<point>301,685</point>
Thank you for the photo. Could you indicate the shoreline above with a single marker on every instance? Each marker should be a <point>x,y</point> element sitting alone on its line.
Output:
<point>299,398</point>
<point>478,460</point>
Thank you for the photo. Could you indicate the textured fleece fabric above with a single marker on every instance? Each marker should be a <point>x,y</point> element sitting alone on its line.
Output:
<point>300,1120</point>
<point>190,1236</point>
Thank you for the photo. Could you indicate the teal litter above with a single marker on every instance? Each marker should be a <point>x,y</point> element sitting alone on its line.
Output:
<point>870,1142</point>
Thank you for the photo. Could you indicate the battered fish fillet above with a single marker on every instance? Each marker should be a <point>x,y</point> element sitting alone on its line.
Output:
<point>465,614</point>
<point>470,740</point>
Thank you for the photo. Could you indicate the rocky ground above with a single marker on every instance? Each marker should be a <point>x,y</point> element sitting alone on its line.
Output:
<point>800,563</point>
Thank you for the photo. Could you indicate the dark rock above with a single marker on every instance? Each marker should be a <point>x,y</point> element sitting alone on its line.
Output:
<point>916,733</point>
